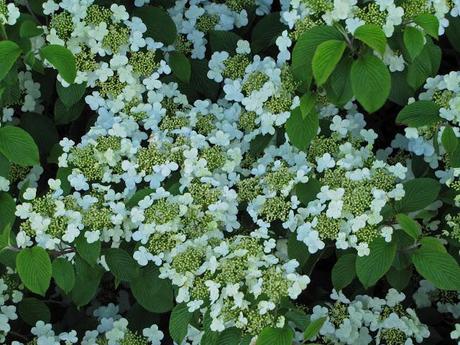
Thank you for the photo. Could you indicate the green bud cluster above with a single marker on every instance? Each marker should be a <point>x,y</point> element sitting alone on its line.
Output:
<point>84,159</point>
<point>188,261</point>
<point>214,156</point>
<point>279,179</point>
<point>247,121</point>
<point>321,145</point>
<point>276,208</point>
<point>235,66</point>
<point>328,228</point>
<point>183,44</point>
<point>275,285</point>
<point>393,336</point>
<point>254,82</point>
<point>96,15</point>
<point>63,24</point>
<point>338,313</point>
<point>97,218</point>
<point>111,87</point>
<point>117,37</point>
<point>17,172</point>
<point>132,338</point>
<point>371,14</point>
<point>239,5</point>
<point>413,8</point>
<point>319,6</point>
<point>279,104</point>
<point>205,124</point>
<point>148,157</point>
<point>249,189</point>
<point>207,22</point>
<point>85,61</point>
<point>442,98</point>
<point>204,194</point>
<point>161,212</point>
<point>143,62</point>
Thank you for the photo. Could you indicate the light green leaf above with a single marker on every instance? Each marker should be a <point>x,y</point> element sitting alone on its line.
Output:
<point>429,23</point>
<point>409,226</point>
<point>34,269</point>
<point>419,114</point>
<point>302,54</point>
<point>373,36</point>
<point>18,146</point>
<point>372,267</point>
<point>414,40</point>
<point>313,328</point>
<point>275,336</point>
<point>180,66</point>
<point>64,274</point>
<point>419,193</point>
<point>326,58</point>
<point>438,267</point>
<point>343,271</point>
<point>9,53</point>
<point>370,81</point>
<point>178,322</point>
<point>62,59</point>
<point>121,264</point>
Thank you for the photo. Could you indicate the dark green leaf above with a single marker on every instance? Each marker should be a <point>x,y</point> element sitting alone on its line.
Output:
<point>121,264</point>
<point>372,267</point>
<point>159,24</point>
<point>90,252</point>
<point>7,209</point>
<point>29,29</point>
<point>32,310</point>
<point>313,328</point>
<point>180,66</point>
<point>87,281</point>
<point>178,322</point>
<point>343,271</point>
<point>275,336</point>
<point>419,193</point>
<point>419,114</point>
<point>449,140</point>
<point>266,31</point>
<point>62,59</point>
<point>9,53</point>
<point>223,41</point>
<point>71,94</point>
<point>409,226</point>
<point>429,23</point>
<point>63,274</point>
<point>414,40</point>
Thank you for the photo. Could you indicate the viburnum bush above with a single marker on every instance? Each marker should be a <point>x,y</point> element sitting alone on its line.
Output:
<point>229,172</point>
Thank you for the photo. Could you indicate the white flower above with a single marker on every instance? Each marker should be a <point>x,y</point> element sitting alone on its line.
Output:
<point>153,334</point>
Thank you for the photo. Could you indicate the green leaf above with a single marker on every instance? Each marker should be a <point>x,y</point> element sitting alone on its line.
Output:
<point>299,317</point>
<point>343,271</point>
<point>32,310</point>
<point>414,41</point>
<point>313,328</point>
<point>71,94</point>
<point>400,89</point>
<point>302,54</point>
<point>34,269</point>
<point>180,66</point>
<point>438,267</point>
<point>426,64</point>
<point>151,292</point>
<point>42,130</point>
<point>372,267</point>
<point>7,210</point>
<point>29,29</point>
<point>370,81</point>
<point>409,226</point>
<point>18,146</point>
<point>419,193</point>
<point>429,23</point>
<point>63,274</point>
<point>62,59</point>
<point>230,336</point>
<point>159,24</point>
<point>90,252</point>
<point>302,127</point>
<point>121,264</point>
<point>64,115</point>
<point>449,140</point>
<point>338,86</point>
<point>87,281</point>
<point>307,192</point>
<point>223,41</point>
<point>398,279</point>
<point>275,336</point>
<point>373,36</point>
<point>453,32</point>
<point>178,322</point>
<point>266,31</point>
<point>9,53</point>
<point>326,58</point>
<point>419,114</point>
<point>297,250</point>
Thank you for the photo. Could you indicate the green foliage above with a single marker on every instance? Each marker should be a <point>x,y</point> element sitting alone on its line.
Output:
<point>373,36</point>
<point>179,321</point>
<point>159,24</point>
<point>62,59</point>
<point>9,53</point>
<point>121,264</point>
<point>343,271</point>
<point>64,274</point>
<point>302,125</point>
<point>34,269</point>
<point>278,336</point>
<point>326,58</point>
<point>18,146</point>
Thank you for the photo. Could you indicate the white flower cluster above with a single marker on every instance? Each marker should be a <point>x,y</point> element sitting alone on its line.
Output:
<point>112,329</point>
<point>10,295</point>
<point>445,301</point>
<point>366,319</point>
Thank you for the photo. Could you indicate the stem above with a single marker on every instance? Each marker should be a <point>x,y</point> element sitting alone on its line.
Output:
<point>17,335</point>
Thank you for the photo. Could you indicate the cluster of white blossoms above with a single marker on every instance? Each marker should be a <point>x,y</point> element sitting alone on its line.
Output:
<point>426,141</point>
<point>365,320</point>
<point>428,295</point>
<point>10,295</point>
<point>186,185</point>
<point>9,13</point>
<point>112,329</point>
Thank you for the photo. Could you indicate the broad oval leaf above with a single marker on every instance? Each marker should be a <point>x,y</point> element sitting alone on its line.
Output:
<point>63,274</point>
<point>121,264</point>
<point>62,59</point>
<point>326,58</point>
<point>278,336</point>
<point>9,53</point>
<point>419,114</point>
<point>159,24</point>
<point>343,271</point>
<point>373,36</point>
<point>370,81</point>
<point>18,146</point>
<point>34,269</point>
